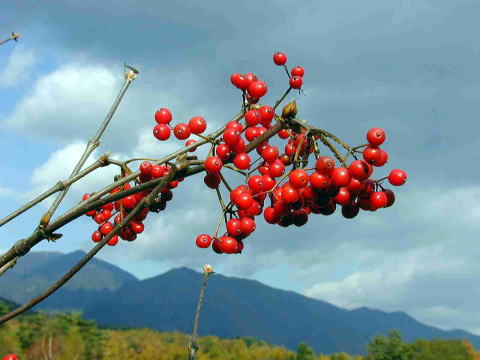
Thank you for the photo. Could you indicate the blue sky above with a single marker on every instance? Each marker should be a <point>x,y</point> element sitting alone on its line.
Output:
<point>410,67</point>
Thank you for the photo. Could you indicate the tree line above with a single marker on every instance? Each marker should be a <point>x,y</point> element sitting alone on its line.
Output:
<point>67,336</point>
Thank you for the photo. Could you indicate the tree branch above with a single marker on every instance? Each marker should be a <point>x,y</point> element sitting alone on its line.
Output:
<point>93,143</point>
<point>145,202</point>
<point>102,161</point>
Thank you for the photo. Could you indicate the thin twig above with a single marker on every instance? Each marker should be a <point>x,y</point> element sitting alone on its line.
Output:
<point>102,161</point>
<point>92,144</point>
<point>193,346</point>
<point>14,36</point>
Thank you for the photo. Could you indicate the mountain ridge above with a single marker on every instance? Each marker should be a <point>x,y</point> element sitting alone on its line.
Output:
<point>232,307</point>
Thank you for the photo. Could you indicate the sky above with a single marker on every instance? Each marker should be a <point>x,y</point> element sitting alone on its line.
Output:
<point>410,67</point>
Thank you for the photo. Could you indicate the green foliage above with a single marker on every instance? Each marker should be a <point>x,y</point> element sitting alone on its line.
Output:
<point>69,336</point>
<point>305,352</point>
<point>389,348</point>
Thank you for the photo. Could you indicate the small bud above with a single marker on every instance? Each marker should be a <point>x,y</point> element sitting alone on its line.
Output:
<point>290,110</point>
<point>208,269</point>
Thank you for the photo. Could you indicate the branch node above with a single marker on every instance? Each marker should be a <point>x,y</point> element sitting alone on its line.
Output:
<point>20,248</point>
<point>104,160</point>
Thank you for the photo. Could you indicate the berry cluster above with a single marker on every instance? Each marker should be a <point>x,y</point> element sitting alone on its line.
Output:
<point>10,357</point>
<point>122,207</point>
<point>293,189</point>
<point>182,131</point>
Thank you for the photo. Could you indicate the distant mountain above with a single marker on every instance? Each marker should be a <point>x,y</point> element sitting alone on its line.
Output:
<point>38,270</point>
<point>232,307</point>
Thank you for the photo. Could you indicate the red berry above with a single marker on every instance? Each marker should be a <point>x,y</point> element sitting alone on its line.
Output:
<point>340,176</point>
<point>360,169</point>
<point>98,218</point>
<point>157,171</point>
<point>290,149</point>
<point>279,58</point>
<point>271,215</point>
<point>248,225</point>
<point>161,132</point>
<point>251,133</point>
<point>203,240</point>
<point>268,182</point>
<point>256,183</point>
<point>234,227</point>
<point>182,131</point>
<point>231,136</point>
<point>299,217</point>
<point>390,197</point>
<point>223,151</point>
<point>343,196</point>
<point>97,236</point>
<point>298,178</point>
<point>106,214</point>
<point>296,82</point>
<point>197,124</point>
<point>257,89</point>
<point>146,167</point>
<point>284,134</point>
<point>376,136</point>
<point>325,165</point>
<point>350,210</point>
<point>397,177</point>
<point>163,116</point>
<point>113,241</point>
<point>10,357</point>
<point>137,227</point>
<point>234,125</point>
<point>276,168</point>
<point>239,81</point>
<point>297,71</point>
<point>253,117</point>
<point>129,202</point>
<point>242,161</point>
<point>250,78</point>
<point>289,194</point>
<point>213,164</point>
<point>240,146</point>
<point>270,154</point>
<point>372,155</point>
<point>228,244</point>
<point>106,228</point>
<point>378,199</point>
<point>243,201</point>
<point>267,113</point>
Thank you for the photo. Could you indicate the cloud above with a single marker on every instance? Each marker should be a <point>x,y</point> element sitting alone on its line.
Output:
<point>19,64</point>
<point>66,102</point>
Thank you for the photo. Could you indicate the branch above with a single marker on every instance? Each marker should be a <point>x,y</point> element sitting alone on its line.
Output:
<point>145,202</point>
<point>93,143</point>
<point>23,246</point>
<point>14,36</point>
<point>193,346</point>
<point>61,185</point>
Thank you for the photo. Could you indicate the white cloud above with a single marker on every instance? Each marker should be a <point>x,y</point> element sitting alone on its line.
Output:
<point>16,70</point>
<point>67,102</point>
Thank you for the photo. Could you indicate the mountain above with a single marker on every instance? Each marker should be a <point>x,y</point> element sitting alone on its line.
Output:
<point>38,270</point>
<point>232,306</point>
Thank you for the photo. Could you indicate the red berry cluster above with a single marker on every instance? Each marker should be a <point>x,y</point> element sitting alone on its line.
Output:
<point>182,131</point>
<point>293,193</point>
<point>122,207</point>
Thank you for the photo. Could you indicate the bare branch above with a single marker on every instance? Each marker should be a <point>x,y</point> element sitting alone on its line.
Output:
<point>102,161</point>
<point>93,143</point>
<point>14,36</point>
